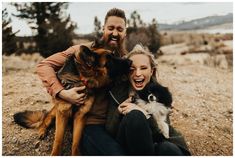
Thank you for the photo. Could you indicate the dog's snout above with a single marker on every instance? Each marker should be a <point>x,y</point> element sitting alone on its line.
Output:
<point>152,98</point>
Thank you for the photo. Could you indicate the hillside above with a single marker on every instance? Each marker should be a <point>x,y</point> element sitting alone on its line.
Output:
<point>201,23</point>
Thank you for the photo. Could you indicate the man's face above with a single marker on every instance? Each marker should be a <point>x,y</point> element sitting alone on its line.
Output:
<point>114,31</point>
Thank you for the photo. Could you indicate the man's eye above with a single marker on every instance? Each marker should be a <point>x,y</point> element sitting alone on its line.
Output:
<point>110,28</point>
<point>120,29</point>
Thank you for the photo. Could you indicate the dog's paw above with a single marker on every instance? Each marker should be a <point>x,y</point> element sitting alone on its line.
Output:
<point>165,130</point>
<point>42,133</point>
<point>166,135</point>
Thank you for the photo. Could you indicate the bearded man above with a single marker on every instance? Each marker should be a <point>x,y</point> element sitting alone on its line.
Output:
<point>95,139</point>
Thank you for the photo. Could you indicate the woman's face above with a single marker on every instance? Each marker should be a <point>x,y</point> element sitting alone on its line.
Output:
<point>141,71</point>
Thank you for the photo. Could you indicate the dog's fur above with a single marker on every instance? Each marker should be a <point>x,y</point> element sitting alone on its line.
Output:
<point>156,100</point>
<point>95,68</point>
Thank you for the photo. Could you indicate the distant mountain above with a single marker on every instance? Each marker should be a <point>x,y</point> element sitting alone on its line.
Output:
<point>198,23</point>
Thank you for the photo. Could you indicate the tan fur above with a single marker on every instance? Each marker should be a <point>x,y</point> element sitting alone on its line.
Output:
<point>62,110</point>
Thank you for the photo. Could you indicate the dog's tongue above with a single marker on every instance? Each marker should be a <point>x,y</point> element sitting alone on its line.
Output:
<point>84,81</point>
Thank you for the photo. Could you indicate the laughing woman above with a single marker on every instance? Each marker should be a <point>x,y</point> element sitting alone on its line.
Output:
<point>133,127</point>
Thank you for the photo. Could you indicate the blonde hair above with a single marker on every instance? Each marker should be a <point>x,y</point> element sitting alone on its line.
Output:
<point>140,49</point>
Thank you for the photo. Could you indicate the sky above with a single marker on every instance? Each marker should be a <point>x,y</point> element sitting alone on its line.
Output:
<point>83,13</point>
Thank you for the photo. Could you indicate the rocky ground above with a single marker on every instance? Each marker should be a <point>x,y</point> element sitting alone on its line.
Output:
<point>203,109</point>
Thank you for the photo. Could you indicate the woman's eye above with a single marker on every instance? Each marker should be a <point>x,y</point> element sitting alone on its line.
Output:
<point>143,68</point>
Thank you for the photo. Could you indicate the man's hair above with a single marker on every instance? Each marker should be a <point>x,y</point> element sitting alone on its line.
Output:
<point>115,12</point>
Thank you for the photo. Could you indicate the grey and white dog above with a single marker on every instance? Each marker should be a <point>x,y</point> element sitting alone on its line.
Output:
<point>156,100</point>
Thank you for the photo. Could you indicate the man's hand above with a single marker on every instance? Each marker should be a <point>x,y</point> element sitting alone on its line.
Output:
<point>73,95</point>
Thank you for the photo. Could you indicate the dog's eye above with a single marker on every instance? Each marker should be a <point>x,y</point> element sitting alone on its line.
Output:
<point>89,64</point>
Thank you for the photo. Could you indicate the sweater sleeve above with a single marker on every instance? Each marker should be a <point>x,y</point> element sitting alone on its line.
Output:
<point>48,67</point>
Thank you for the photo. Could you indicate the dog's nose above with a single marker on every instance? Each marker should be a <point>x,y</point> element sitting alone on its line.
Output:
<point>152,98</point>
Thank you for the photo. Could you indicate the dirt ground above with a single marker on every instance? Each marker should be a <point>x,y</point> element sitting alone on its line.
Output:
<point>203,110</point>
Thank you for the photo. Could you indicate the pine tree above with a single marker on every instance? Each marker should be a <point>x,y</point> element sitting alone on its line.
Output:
<point>8,37</point>
<point>139,33</point>
<point>54,29</point>
<point>154,36</point>
<point>97,29</point>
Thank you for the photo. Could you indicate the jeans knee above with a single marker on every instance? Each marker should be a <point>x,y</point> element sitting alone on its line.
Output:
<point>168,149</point>
<point>135,119</point>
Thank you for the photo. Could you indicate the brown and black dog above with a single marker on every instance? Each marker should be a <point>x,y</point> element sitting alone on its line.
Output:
<point>93,67</point>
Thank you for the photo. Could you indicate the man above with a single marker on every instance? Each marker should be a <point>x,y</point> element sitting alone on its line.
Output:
<point>95,141</point>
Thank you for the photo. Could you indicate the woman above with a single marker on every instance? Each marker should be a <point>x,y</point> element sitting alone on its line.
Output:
<point>133,127</point>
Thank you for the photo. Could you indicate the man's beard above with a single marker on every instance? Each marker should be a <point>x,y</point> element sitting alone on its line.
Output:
<point>118,48</point>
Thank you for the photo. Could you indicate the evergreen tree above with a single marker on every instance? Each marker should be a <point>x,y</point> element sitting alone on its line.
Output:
<point>139,33</point>
<point>54,29</point>
<point>97,29</point>
<point>154,36</point>
<point>135,21</point>
<point>8,37</point>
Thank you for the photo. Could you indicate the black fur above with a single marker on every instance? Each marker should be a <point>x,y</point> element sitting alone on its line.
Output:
<point>117,66</point>
<point>162,93</point>
<point>22,118</point>
<point>69,66</point>
<point>19,118</point>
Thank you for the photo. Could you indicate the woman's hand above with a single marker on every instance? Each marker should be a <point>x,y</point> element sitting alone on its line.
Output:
<point>73,96</point>
<point>127,107</point>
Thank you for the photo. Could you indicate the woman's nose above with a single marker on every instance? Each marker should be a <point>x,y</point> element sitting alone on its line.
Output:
<point>138,72</point>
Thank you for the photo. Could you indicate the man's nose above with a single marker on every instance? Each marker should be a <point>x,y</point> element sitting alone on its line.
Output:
<point>115,33</point>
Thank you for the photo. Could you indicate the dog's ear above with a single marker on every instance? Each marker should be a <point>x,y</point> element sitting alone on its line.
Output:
<point>84,49</point>
<point>98,43</point>
<point>87,55</point>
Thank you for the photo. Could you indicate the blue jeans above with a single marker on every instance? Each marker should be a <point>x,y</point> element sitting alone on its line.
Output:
<point>96,141</point>
<point>135,137</point>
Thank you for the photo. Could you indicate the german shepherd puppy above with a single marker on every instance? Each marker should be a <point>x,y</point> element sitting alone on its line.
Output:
<point>156,100</point>
<point>94,68</point>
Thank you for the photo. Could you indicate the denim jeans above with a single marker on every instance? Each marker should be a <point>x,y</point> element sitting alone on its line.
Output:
<point>135,137</point>
<point>97,142</point>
